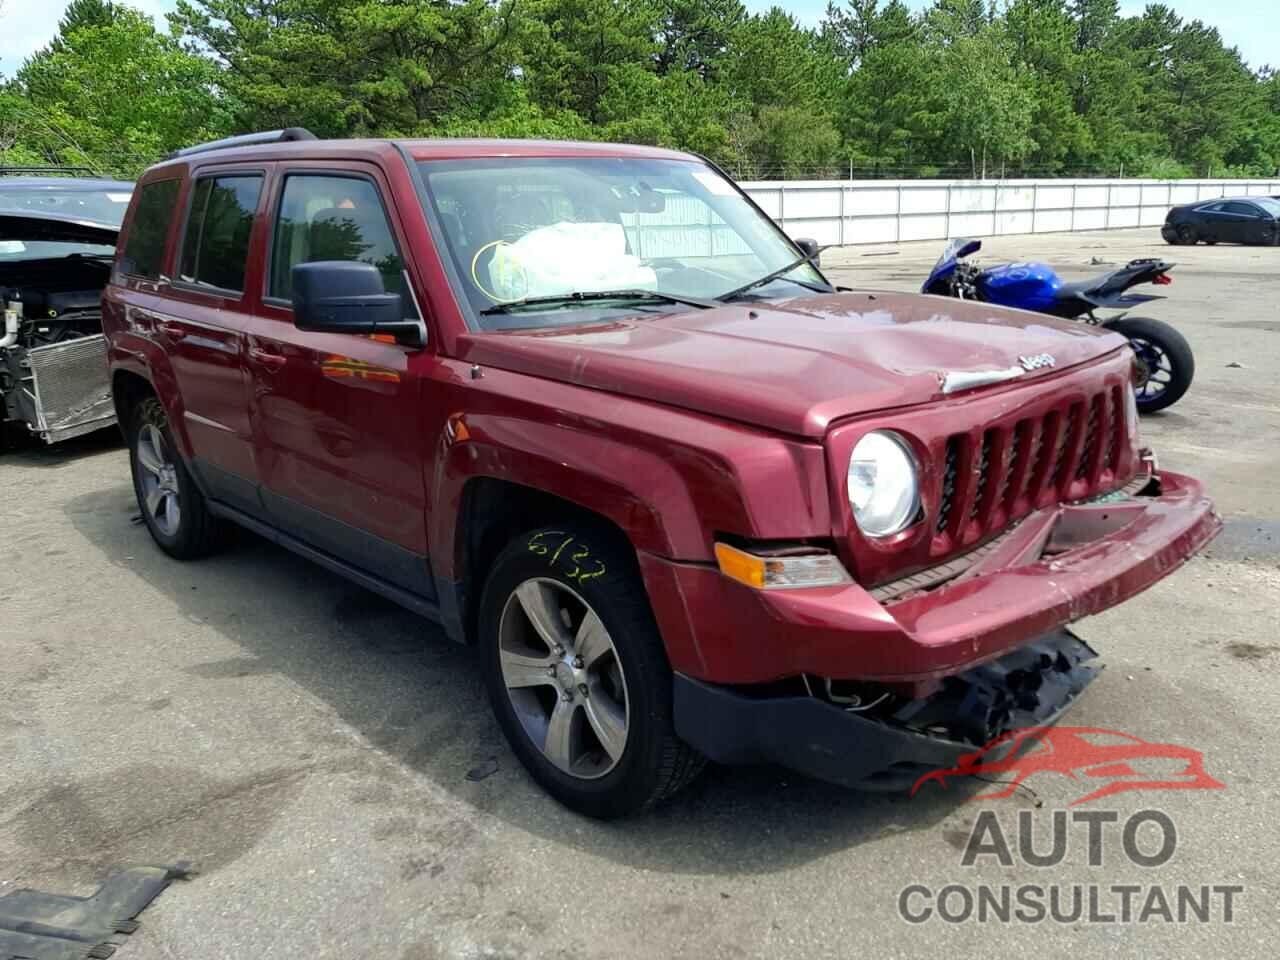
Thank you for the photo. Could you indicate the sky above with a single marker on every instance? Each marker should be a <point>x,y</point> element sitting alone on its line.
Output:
<point>1251,25</point>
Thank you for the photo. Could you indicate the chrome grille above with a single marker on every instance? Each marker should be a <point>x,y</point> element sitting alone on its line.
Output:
<point>984,467</point>
<point>949,473</point>
<point>1116,434</point>
<point>1090,436</point>
<point>1066,441</point>
<point>1035,460</point>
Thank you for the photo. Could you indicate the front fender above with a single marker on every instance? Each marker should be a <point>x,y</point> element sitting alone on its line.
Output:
<point>670,479</point>
<point>129,352</point>
<point>524,452</point>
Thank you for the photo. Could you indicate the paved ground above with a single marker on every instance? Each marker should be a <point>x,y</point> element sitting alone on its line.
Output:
<point>308,745</point>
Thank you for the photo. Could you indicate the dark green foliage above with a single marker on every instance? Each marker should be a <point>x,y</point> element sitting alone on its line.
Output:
<point>966,87</point>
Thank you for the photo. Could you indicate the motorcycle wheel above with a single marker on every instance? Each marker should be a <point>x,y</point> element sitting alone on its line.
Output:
<point>1166,364</point>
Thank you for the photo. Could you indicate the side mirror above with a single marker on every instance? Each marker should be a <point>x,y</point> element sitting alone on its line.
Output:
<point>809,248</point>
<point>347,296</point>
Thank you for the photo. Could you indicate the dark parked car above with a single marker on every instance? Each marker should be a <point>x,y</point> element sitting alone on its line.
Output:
<point>57,242</point>
<point>588,407</point>
<point>1254,220</point>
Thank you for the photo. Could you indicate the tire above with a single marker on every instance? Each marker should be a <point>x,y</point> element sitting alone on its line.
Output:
<point>1160,345</point>
<point>610,682</point>
<point>1187,235</point>
<point>172,506</point>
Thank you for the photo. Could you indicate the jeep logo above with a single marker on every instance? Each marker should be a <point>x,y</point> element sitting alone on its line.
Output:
<point>1038,361</point>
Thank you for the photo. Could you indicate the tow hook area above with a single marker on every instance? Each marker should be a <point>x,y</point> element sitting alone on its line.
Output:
<point>891,741</point>
<point>1026,688</point>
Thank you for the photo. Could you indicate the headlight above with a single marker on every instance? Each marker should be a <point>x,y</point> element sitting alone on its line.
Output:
<point>884,489</point>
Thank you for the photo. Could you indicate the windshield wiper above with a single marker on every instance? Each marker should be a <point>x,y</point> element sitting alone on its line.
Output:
<point>582,296</point>
<point>777,275</point>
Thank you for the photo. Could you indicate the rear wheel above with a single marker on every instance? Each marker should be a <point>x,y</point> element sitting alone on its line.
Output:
<point>1186,234</point>
<point>1166,365</point>
<point>577,673</point>
<point>173,508</point>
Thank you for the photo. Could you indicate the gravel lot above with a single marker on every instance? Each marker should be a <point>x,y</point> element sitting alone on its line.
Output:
<point>308,745</point>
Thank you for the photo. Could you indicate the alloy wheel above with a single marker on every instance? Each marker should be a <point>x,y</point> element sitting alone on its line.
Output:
<point>1155,370</point>
<point>159,476</point>
<point>564,678</point>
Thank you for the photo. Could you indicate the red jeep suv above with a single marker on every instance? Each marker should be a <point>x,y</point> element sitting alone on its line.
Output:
<point>585,405</point>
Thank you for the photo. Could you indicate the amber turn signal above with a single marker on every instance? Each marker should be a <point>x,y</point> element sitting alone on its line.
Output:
<point>782,569</point>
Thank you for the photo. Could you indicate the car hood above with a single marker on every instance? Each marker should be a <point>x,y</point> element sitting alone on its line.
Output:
<point>798,365</point>
<point>31,225</point>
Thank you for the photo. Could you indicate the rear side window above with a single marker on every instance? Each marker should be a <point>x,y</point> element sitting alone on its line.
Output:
<point>1248,209</point>
<point>332,218</point>
<point>144,250</point>
<point>216,244</point>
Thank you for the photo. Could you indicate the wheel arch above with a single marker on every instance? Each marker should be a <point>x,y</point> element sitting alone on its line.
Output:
<point>492,512</point>
<point>128,389</point>
<point>140,368</point>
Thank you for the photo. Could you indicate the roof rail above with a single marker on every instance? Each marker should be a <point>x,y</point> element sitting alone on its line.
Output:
<point>248,139</point>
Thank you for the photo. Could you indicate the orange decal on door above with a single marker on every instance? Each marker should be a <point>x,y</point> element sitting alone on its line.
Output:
<point>337,367</point>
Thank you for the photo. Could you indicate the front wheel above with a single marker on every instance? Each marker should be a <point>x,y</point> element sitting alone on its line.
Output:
<point>577,673</point>
<point>173,508</point>
<point>1166,364</point>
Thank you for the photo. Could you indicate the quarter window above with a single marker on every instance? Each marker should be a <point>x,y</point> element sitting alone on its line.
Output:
<point>216,245</point>
<point>144,250</point>
<point>332,218</point>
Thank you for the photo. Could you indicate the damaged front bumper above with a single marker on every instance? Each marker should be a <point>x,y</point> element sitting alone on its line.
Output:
<point>1058,565</point>
<point>891,747</point>
<point>931,672</point>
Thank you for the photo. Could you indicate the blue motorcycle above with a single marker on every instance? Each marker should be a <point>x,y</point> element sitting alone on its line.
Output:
<point>1165,364</point>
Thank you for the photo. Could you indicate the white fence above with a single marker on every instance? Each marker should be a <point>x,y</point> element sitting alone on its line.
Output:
<point>887,211</point>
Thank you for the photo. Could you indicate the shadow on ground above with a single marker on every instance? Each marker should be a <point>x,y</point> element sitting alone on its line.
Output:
<point>29,451</point>
<point>416,699</point>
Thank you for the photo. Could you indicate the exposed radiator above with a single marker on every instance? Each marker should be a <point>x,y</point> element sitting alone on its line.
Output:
<point>69,388</point>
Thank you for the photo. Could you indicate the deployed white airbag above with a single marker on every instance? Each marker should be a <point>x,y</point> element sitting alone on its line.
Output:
<point>566,258</point>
